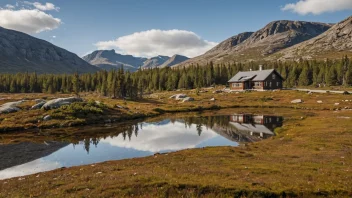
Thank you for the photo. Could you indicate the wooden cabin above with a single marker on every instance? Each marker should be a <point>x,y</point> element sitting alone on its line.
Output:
<point>257,80</point>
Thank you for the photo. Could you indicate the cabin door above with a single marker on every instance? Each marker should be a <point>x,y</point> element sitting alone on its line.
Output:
<point>247,85</point>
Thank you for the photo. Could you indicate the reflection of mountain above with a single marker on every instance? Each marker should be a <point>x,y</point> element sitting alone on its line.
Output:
<point>16,154</point>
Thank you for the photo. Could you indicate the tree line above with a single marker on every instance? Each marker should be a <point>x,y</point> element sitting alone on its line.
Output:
<point>119,83</point>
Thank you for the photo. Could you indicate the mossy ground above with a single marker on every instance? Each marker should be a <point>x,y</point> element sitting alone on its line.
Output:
<point>311,156</point>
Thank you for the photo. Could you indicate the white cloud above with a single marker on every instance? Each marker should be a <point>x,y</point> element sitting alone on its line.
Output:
<point>9,6</point>
<point>54,37</point>
<point>159,42</point>
<point>32,167</point>
<point>158,138</point>
<point>43,7</point>
<point>28,21</point>
<point>316,7</point>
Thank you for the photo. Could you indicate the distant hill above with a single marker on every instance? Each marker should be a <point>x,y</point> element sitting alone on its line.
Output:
<point>155,62</point>
<point>109,59</point>
<point>174,60</point>
<point>334,43</point>
<point>20,52</point>
<point>258,45</point>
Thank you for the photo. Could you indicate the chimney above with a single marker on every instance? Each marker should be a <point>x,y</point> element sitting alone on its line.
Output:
<point>260,67</point>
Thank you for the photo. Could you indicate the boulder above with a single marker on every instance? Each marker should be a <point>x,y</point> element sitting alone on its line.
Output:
<point>187,99</point>
<point>337,104</point>
<point>38,105</point>
<point>213,99</point>
<point>179,96</point>
<point>319,101</point>
<point>296,101</point>
<point>37,101</point>
<point>56,103</point>
<point>47,117</point>
<point>10,107</point>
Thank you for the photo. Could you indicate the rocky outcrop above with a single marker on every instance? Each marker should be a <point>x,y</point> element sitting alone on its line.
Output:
<point>10,107</point>
<point>20,52</point>
<point>251,46</point>
<point>109,60</point>
<point>57,103</point>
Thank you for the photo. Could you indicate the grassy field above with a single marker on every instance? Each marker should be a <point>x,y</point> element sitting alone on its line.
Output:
<point>311,156</point>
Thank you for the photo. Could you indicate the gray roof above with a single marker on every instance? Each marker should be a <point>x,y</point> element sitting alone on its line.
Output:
<point>258,75</point>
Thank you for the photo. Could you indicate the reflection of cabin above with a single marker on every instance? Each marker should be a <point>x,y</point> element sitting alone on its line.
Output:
<point>257,80</point>
<point>259,125</point>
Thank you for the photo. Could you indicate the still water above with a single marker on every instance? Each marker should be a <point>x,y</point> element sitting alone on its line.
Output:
<point>136,140</point>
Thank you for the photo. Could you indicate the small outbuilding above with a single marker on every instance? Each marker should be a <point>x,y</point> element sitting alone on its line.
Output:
<point>257,80</point>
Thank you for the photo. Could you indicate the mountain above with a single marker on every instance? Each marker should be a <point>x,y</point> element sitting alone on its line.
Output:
<point>24,152</point>
<point>174,60</point>
<point>109,59</point>
<point>248,46</point>
<point>155,62</point>
<point>20,52</point>
<point>334,43</point>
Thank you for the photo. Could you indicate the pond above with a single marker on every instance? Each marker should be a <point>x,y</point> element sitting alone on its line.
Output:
<point>136,140</point>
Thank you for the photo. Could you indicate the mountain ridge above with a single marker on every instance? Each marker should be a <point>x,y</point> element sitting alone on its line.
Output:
<point>335,42</point>
<point>20,52</point>
<point>109,59</point>
<point>250,46</point>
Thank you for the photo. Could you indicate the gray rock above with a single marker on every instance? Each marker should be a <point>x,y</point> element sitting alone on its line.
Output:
<point>37,101</point>
<point>56,103</point>
<point>178,96</point>
<point>296,101</point>
<point>319,101</point>
<point>38,106</point>
<point>187,99</point>
<point>10,107</point>
<point>47,117</point>
<point>213,99</point>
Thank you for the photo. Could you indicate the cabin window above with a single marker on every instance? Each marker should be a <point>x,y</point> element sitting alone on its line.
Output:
<point>270,84</point>
<point>277,84</point>
<point>257,84</point>
<point>274,76</point>
<point>236,84</point>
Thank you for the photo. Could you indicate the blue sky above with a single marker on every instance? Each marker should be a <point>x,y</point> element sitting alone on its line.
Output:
<point>84,23</point>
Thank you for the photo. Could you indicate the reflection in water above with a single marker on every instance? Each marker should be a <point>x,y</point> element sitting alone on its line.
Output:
<point>137,140</point>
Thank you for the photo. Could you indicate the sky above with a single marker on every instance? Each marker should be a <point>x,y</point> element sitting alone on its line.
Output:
<point>156,27</point>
